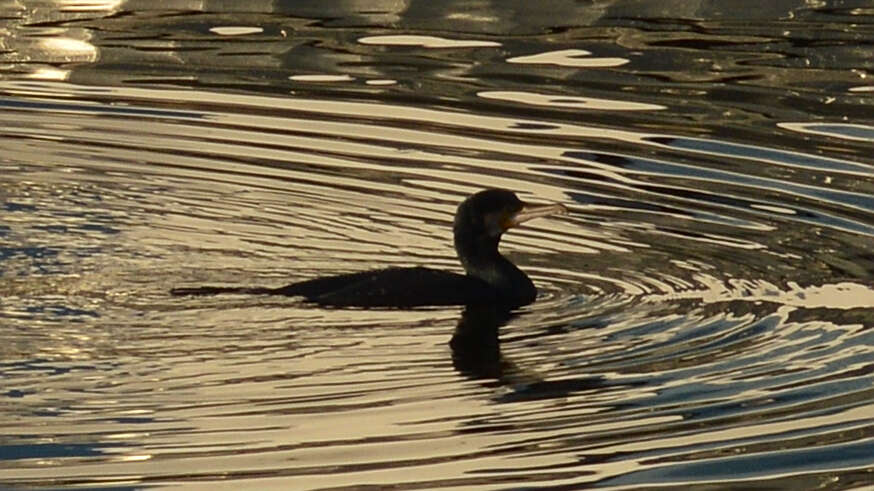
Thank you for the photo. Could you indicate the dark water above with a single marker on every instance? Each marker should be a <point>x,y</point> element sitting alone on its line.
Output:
<point>705,313</point>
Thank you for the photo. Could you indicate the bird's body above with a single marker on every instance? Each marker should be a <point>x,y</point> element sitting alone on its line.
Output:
<point>394,287</point>
<point>389,287</point>
<point>490,278</point>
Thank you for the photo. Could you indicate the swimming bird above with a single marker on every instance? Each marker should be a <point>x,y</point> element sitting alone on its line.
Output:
<point>489,277</point>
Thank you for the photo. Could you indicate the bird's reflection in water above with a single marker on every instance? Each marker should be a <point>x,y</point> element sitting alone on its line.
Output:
<point>476,353</point>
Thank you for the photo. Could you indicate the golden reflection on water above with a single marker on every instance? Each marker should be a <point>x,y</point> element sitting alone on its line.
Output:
<point>856,132</point>
<point>86,5</point>
<point>236,30</point>
<point>673,302</point>
<point>843,295</point>
<point>321,78</point>
<point>432,42</point>
<point>569,102</point>
<point>752,430</point>
<point>575,58</point>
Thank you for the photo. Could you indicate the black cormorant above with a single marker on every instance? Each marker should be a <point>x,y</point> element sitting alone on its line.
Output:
<point>490,278</point>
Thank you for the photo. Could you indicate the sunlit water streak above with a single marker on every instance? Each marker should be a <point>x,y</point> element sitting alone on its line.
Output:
<point>619,370</point>
<point>704,313</point>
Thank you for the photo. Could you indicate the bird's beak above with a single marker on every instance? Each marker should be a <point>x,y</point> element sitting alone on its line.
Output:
<point>530,212</point>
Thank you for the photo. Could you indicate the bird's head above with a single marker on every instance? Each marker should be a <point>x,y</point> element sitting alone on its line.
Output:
<point>483,217</point>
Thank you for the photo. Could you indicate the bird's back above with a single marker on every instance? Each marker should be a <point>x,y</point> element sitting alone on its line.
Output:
<point>393,287</point>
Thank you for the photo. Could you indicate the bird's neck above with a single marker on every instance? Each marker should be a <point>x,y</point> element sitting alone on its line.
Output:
<point>483,261</point>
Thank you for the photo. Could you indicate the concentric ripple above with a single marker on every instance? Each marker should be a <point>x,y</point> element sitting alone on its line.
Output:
<point>704,314</point>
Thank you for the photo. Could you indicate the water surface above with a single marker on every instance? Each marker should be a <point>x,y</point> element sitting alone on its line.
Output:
<point>705,308</point>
